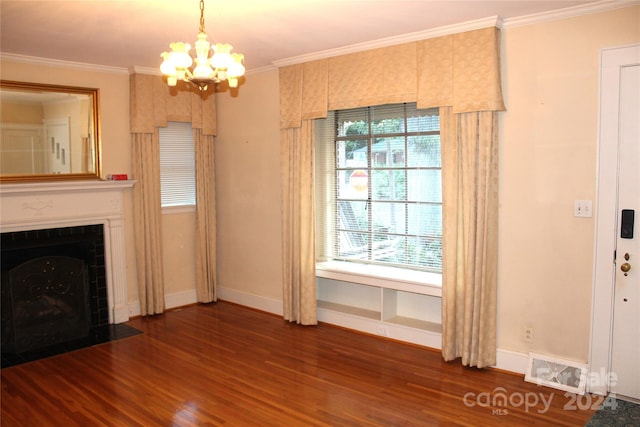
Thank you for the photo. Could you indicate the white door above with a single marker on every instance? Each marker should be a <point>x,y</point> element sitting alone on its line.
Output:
<point>625,351</point>
<point>615,338</point>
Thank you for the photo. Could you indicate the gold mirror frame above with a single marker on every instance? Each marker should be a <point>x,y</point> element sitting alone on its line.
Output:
<point>84,162</point>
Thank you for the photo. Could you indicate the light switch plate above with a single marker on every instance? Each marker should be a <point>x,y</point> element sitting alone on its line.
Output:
<point>583,208</point>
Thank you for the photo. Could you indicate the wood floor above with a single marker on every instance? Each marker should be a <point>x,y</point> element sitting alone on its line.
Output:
<point>222,364</point>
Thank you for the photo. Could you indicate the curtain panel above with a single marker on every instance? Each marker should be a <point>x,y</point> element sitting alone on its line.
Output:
<point>469,236</point>
<point>206,236</point>
<point>460,72</point>
<point>152,105</point>
<point>147,214</point>
<point>298,226</point>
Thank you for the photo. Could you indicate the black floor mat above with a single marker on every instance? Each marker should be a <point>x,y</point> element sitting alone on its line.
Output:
<point>616,412</point>
<point>97,335</point>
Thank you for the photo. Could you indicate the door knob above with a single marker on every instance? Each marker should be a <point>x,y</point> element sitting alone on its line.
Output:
<point>625,267</point>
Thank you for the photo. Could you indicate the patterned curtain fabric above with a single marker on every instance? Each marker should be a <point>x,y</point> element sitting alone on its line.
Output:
<point>206,267</point>
<point>470,235</point>
<point>374,77</point>
<point>148,221</point>
<point>152,105</point>
<point>459,70</point>
<point>298,227</point>
<point>290,96</point>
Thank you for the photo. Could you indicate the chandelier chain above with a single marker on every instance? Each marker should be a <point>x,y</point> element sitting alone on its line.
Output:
<point>202,16</point>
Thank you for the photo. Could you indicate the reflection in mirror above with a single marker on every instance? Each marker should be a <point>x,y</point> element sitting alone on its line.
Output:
<point>48,132</point>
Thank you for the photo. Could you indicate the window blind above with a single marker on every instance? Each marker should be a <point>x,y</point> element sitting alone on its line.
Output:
<point>177,165</point>
<point>379,188</point>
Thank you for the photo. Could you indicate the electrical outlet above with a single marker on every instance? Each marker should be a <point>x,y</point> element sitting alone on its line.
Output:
<point>528,335</point>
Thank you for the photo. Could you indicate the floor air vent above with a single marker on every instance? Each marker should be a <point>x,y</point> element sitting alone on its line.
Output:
<point>556,373</point>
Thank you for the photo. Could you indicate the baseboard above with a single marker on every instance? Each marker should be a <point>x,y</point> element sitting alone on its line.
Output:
<point>258,302</point>
<point>507,360</point>
<point>383,329</point>
<point>176,299</point>
<point>180,299</point>
<point>512,361</point>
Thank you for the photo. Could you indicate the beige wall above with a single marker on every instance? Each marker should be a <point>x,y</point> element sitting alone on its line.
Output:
<point>547,160</point>
<point>548,153</point>
<point>178,234</point>
<point>248,188</point>
<point>21,113</point>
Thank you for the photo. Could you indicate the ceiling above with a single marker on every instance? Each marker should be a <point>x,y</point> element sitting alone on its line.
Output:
<point>126,33</point>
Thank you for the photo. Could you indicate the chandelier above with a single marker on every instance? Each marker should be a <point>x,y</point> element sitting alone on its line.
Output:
<point>222,65</point>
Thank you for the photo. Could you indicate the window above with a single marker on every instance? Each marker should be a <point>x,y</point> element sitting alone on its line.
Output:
<point>379,187</point>
<point>177,165</point>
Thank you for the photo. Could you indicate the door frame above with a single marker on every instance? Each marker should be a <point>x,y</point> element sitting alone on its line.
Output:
<point>611,60</point>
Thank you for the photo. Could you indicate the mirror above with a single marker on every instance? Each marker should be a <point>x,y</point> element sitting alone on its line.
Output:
<point>48,132</point>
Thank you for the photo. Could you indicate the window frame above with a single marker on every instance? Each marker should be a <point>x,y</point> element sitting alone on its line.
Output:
<point>377,274</point>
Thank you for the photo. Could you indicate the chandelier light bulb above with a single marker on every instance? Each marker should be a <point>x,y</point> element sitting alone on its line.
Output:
<point>179,55</point>
<point>236,69</point>
<point>202,70</point>
<point>169,69</point>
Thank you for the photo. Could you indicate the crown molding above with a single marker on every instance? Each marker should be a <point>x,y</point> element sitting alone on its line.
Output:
<point>261,70</point>
<point>493,21</point>
<point>51,62</point>
<point>144,70</point>
<point>569,12</point>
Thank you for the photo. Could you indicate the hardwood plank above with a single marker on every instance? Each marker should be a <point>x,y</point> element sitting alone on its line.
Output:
<point>222,364</point>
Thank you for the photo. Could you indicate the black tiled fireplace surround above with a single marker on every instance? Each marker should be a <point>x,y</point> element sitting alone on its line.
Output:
<point>85,242</point>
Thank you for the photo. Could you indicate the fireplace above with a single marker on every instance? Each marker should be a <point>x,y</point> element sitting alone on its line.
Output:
<point>81,229</point>
<point>53,286</point>
<point>38,206</point>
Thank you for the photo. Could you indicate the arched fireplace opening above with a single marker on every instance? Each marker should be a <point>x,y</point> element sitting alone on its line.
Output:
<point>53,286</point>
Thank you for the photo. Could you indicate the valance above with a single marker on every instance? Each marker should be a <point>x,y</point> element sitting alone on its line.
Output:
<point>459,70</point>
<point>373,77</point>
<point>153,104</point>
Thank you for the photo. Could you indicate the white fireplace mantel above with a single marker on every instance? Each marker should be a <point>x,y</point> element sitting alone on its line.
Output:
<point>41,205</point>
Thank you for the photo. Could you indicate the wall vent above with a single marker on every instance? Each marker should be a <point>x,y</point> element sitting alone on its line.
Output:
<point>557,373</point>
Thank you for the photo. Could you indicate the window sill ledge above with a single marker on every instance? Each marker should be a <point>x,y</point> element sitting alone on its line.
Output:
<point>419,282</point>
<point>171,210</point>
